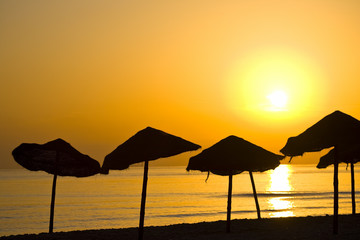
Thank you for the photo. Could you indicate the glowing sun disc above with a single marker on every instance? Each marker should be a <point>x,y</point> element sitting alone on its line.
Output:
<point>278,99</point>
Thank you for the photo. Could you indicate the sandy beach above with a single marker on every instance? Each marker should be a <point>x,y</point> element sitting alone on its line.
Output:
<point>270,228</point>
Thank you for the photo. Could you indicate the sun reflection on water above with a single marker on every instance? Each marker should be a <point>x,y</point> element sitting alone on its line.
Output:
<point>280,186</point>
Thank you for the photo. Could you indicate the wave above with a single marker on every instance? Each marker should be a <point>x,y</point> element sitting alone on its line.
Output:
<point>288,194</point>
<point>215,213</point>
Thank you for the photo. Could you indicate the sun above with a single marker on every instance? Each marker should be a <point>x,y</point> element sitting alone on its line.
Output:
<point>276,83</point>
<point>278,100</point>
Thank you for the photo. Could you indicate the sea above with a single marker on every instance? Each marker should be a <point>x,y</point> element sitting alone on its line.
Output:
<point>173,196</point>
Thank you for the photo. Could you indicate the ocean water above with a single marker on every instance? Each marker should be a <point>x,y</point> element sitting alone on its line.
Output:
<point>173,196</point>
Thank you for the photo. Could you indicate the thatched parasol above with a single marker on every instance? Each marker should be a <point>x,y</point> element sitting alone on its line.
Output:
<point>58,158</point>
<point>231,156</point>
<point>146,145</point>
<point>336,130</point>
<point>349,154</point>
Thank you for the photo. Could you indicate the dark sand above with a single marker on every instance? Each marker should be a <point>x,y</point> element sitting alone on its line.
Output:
<point>247,229</point>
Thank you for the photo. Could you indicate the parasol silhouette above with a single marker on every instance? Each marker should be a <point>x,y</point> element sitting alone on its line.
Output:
<point>56,157</point>
<point>231,156</point>
<point>337,130</point>
<point>146,145</point>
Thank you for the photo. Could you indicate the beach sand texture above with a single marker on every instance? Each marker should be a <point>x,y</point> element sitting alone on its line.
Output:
<point>270,228</point>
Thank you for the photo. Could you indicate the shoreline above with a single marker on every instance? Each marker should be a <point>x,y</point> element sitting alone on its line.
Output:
<point>317,227</point>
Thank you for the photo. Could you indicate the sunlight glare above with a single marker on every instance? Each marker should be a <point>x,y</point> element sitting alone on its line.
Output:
<point>280,185</point>
<point>286,77</point>
<point>278,100</point>
<point>282,206</point>
<point>279,179</point>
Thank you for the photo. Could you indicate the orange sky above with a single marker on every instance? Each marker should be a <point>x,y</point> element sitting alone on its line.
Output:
<point>96,72</point>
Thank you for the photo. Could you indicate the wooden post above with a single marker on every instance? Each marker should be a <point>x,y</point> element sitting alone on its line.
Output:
<point>143,200</point>
<point>255,195</point>
<point>353,189</point>
<point>228,219</point>
<point>336,192</point>
<point>52,205</point>
<point>53,192</point>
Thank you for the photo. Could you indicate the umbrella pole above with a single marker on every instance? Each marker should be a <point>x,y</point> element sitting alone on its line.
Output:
<point>336,193</point>
<point>229,205</point>
<point>255,195</point>
<point>143,199</point>
<point>52,205</point>
<point>353,188</point>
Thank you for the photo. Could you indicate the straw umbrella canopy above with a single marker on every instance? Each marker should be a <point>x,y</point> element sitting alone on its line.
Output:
<point>231,156</point>
<point>56,157</point>
<point>351,154</point>
<point>146,145</point>
<point>336,130</point>
<point>348,155</point>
